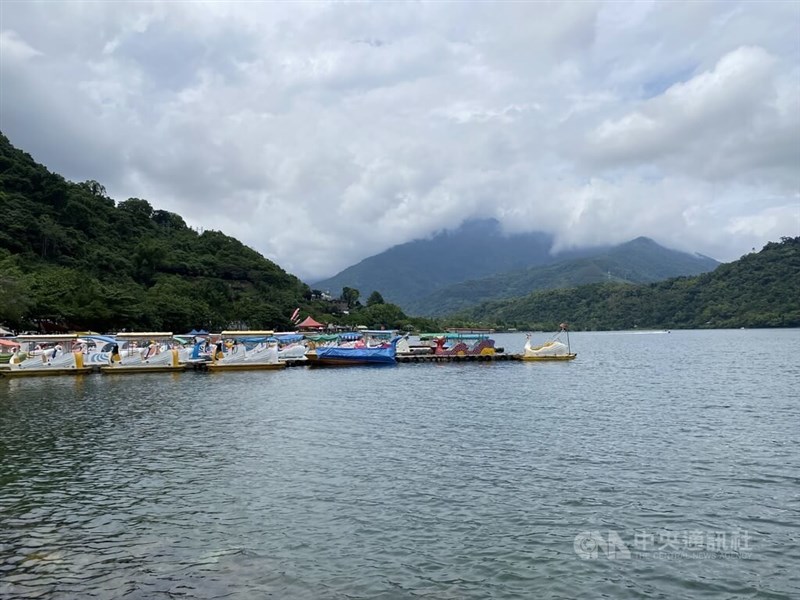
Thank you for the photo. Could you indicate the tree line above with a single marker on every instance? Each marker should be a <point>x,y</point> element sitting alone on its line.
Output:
<point>761,289</point>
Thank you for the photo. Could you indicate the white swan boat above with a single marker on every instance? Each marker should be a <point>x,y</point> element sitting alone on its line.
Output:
<point>46,355</point>
<point>262,355</point>
<point>552,350</point>
<point>144,352</point>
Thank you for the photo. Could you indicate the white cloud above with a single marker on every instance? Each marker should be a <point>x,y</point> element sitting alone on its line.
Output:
<point>702,123</point>
<point>323,133</point>
<point>15,48</point>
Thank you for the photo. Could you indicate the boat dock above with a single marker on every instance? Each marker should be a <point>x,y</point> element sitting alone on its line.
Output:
<point>401,359</point>
<point>446,358</point>
<point>203,366</point>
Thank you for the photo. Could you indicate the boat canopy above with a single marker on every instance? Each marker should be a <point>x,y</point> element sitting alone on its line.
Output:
<point>106,339</point>
<point>237,333</point>
<point>56,337</point>
<point>454,336</point>
<point>287,338</point>
<point>322,338</point>
<point>380,333</point>
<point>144,335</point>
<point>255,340</point>
<point>351,335</point>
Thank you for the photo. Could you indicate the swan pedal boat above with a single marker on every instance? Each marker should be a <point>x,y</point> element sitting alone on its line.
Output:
<point>44,363</point>
<point>132,361</point>
<point>554,350</point>
<point>264,357</point>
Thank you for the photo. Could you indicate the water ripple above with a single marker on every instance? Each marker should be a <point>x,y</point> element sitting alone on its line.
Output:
<point>433,481</point>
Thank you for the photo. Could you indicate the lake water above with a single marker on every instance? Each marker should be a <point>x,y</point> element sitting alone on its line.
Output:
<point>654,465</point>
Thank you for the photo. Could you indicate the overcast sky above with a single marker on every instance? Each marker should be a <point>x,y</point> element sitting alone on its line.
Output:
<point>321,133</point>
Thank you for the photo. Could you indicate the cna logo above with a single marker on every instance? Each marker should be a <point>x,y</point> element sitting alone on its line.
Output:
<point>592,544</point>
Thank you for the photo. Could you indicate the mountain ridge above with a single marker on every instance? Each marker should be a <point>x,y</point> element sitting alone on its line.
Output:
<point>761,289</point>
<point>449,256</point>
<point>430,276</point>
<point>641,260</point>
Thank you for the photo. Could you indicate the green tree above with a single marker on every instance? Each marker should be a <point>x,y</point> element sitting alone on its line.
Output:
<point>14,295</point>
<point>350,296</point>
<point>148,257</point>
<point>375,298</point>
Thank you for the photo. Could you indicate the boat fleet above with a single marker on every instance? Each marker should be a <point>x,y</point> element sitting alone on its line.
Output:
<point>249,350</point>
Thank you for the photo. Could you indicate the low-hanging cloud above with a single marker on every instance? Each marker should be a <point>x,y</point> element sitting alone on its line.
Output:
<point>323,133</point>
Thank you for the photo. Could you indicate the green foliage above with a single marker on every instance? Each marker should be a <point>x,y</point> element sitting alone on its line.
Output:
<point>14,293</point>
<point>759,290</point>
<point>350,295</point>
<point>71,258</point>
<point>375,298</point>
<point>387,316</point>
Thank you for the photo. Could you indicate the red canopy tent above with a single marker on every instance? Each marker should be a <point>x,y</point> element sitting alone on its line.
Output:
<point>310,323</point>
<point>8,343</point>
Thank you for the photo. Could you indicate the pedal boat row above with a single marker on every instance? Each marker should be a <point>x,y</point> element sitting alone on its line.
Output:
<point>145,352</point>
<point>163,352</point>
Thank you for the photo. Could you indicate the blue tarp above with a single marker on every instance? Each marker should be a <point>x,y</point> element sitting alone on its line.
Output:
<point>287,338</point>
<point>367,356</point>
<point>356,355</point>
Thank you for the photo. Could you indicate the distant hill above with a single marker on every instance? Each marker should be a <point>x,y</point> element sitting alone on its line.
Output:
<point>73,258</point>
<point>412,270</point>
<point>758,290</point>
<point>639,261</point>
<point>418,275</point>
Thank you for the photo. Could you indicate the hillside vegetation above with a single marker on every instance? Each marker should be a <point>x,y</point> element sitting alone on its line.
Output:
<point>71,258</point>
<point>758,290</point>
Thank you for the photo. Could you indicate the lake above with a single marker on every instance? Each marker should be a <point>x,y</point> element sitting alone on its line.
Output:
<point>661,465</point>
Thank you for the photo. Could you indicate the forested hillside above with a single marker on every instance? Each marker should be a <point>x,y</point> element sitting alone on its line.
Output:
<point>73,258</point>
<point>758,290</point>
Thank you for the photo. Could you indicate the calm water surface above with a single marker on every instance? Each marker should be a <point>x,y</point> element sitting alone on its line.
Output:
<point>502,480</point>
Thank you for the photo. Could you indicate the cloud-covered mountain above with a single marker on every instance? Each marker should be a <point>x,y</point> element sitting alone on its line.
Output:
<point>409,271</point>
<point>477,262</point>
